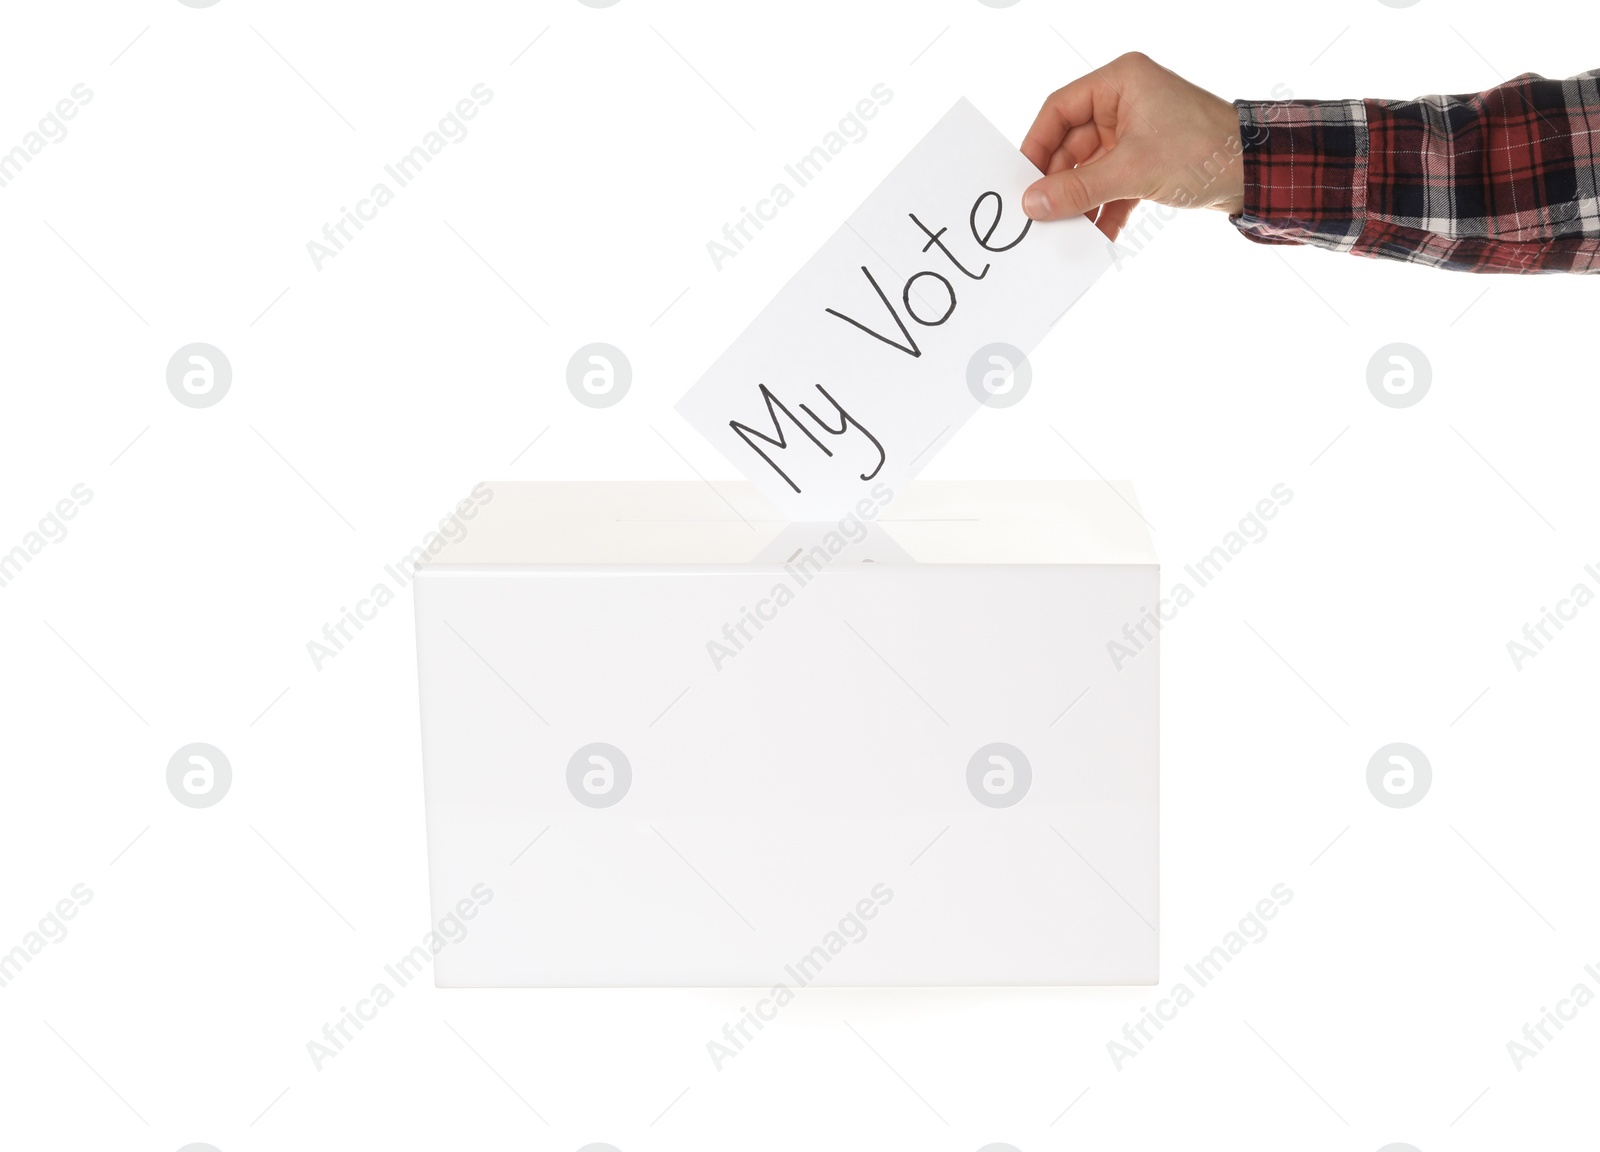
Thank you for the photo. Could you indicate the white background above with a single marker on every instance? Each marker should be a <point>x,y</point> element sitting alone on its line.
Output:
<point>370,396</point>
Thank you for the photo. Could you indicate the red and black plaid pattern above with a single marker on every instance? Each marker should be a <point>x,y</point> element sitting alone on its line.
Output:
<point>1504,181</point>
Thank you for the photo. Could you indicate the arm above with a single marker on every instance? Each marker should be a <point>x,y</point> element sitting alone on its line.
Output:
<point>1504,181</point>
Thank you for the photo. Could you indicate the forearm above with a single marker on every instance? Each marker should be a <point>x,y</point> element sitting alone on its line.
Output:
<point>1504,181</point>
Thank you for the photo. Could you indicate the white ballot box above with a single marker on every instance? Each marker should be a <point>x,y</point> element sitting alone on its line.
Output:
<point>673,740</point>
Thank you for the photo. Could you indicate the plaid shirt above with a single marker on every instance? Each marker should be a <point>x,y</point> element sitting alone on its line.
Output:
<point>1505,181</point>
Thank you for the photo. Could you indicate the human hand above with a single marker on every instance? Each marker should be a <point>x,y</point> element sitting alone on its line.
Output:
<point>1133,131</point>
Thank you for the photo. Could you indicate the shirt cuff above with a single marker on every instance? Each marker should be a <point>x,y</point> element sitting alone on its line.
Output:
<point>1305,172</point>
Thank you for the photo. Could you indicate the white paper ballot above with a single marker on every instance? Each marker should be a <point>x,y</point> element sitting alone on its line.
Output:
<point>883,344</point>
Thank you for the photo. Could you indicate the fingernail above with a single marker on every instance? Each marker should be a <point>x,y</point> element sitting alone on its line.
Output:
<point>1035,203</point>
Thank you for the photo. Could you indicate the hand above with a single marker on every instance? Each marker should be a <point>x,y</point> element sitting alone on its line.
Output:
<point>1133,131</point>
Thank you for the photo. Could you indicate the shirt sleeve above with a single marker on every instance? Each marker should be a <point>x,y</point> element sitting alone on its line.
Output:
<point>1504,181</point>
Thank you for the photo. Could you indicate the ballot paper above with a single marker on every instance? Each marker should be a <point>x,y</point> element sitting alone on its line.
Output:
<point>915,313</point>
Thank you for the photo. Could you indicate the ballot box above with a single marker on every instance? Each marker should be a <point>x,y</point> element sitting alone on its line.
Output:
<point>670,739</point>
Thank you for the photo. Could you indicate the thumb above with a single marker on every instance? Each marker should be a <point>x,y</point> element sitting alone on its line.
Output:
<point>1076,191</point>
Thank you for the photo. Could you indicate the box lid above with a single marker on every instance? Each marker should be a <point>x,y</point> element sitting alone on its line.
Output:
<point>697,523</point>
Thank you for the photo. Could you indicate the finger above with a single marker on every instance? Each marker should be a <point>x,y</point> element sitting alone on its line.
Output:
<point>1087,100</point>
<point>1114,216</point>
<point>1060,161</point>
<point>1074,191</point>
<point>1082,145</point>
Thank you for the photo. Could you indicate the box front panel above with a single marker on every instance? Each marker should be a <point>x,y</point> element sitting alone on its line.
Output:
<point>906,775</point>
